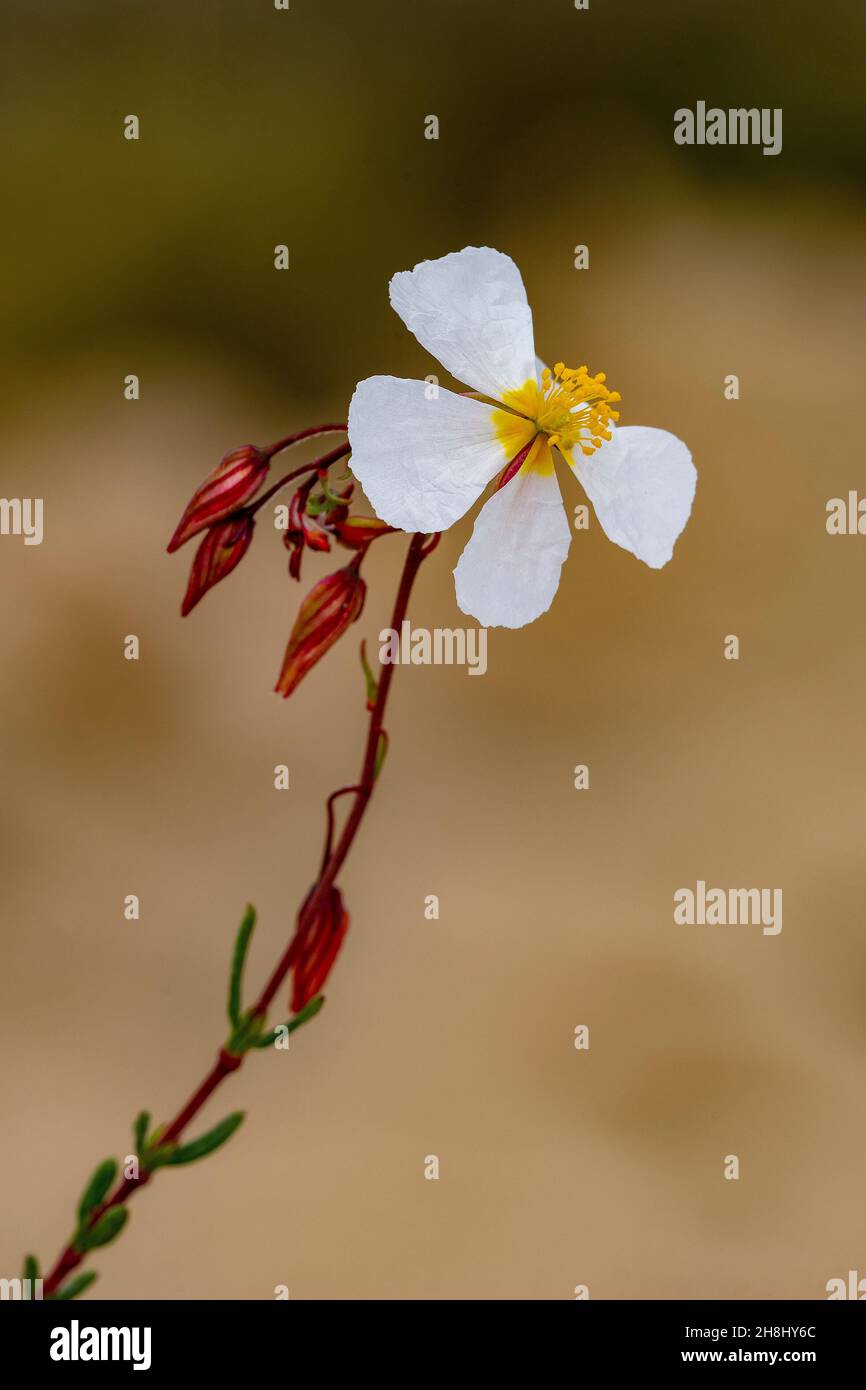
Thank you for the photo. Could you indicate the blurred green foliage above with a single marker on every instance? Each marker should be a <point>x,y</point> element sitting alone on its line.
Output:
<point>306,127</point>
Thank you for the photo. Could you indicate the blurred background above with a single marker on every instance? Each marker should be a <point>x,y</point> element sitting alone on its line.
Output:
<point>155,777</point>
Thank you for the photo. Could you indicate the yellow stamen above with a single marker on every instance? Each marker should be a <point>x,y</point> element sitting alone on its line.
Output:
<point>571,408</point>
<point>575,409</point>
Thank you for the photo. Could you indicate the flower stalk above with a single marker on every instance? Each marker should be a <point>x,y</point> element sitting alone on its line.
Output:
<point>321,922</point>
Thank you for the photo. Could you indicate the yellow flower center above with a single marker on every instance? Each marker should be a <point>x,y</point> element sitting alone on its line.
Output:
<point>570,409</point>
<point>575,408</point>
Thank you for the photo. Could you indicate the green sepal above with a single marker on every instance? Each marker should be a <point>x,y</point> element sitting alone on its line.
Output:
<point>103,1232</point>
<point>316,506</point>
<point>242,941</point>
<point>75,1286</point>
<point>332,498</point>
<point>97,1189</point>
<point>206,1143</point>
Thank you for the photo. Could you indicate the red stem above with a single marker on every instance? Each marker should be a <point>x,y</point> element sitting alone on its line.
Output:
<point>416,554</point>
<point>290,439</point>
<point>227,1062</point>
<point>324,462</point>
<point>329,810</point>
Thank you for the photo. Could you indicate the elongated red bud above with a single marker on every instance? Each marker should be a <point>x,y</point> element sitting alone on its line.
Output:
<point>318,943</point>
<point>224,546</point>
<point>356,532</point>
<point>232,483</point>
<point>327,611</point>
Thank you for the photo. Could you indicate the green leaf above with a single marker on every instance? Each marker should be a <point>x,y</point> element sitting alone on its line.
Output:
<point>157,1157</point>
<point>206,1143</point>
<point>369,678</point>
<point>139,1131</point>
<point>242,942</point>
<point>76,1286</point>
<point>31,1268</point>
<point>106,1229</point>
<point>97,1189</point>
<point>243,1036</point>
<point>381,751</point>
<point>307,1012</point>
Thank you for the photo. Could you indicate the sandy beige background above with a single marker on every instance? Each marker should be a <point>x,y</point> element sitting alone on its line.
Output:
<point>453,1037</point>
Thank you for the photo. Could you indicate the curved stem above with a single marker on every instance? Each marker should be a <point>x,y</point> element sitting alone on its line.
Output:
<point>364,788</point>
<point>324,462</point>
<point>291,439</point>
<point>329,811</point>
<point>226,1063</point>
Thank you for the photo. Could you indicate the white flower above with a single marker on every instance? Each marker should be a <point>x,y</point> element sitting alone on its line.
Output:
<point>424,454</point>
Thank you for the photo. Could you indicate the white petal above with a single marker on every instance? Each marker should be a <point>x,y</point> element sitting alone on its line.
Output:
<point>470,310</point>
<point>509,572</point>
<point>421,462</point>
<point>641,484</point>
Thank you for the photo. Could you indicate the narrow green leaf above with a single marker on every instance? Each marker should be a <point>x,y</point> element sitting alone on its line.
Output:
<point>139,1130</point>
<point>242,942</point>
<point>381,752</point>
<point>245,1032</point>
<point>31,1268</point>
<point>159,1156</point>
<point>106,1229</point>
<point>76,1286</point>
<point>307,1012</point>
<point>369,678</point>
<point>206,1143</point>
<point>97,1189</point>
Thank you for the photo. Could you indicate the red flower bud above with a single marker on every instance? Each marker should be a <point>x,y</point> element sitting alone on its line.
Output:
<point>326,612</point>
<point>232,483</point>
<point>356,532</point>
<point>317,944</point>
<point>224,546</point>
